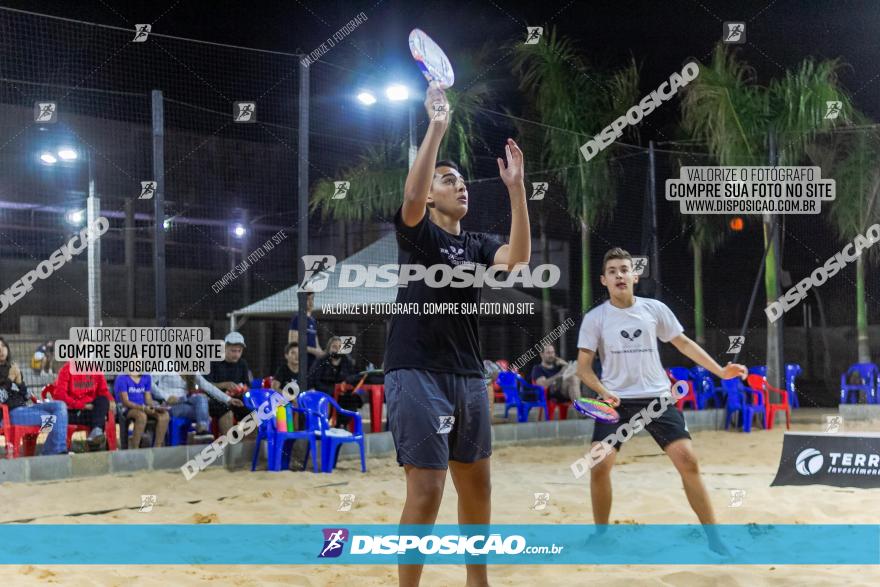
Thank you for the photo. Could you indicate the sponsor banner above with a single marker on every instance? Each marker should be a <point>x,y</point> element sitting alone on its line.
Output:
<point>841,460</point>
<point>390,544</point>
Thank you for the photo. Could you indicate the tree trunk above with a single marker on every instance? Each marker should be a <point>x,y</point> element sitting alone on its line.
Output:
<point>546,307</point>
<point>586,274</point>
<point>775,369</point>
<point>862,312</point>
<point>699,326</point>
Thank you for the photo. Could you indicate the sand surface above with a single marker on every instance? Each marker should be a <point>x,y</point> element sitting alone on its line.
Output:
<point>647,490</point>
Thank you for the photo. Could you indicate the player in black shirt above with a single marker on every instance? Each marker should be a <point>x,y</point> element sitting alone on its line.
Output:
<point>438,407</point>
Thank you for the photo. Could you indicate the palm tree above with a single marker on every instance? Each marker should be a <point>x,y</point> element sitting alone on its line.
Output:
<point>568,94</point>
<point>853,160</point>
<point>725,107</point>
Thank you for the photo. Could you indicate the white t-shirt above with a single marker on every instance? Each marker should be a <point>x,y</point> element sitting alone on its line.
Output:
<point>627,343</point>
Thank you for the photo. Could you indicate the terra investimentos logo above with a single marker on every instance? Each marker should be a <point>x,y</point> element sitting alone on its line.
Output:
<point>809,462</point>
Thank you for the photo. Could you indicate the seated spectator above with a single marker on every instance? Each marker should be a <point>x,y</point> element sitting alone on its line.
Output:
<point>290,370</point>
<point>332,369</point>
<point>88,401</point>
<point>133,391</point>
<point>228,376</point>
<point>44,358</point>
<point>182,395</point>
<point>550,374</point>
<point>50,415</point>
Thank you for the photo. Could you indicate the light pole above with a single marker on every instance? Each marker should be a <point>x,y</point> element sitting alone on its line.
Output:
<point>397,93</point>
<point>93,210</point>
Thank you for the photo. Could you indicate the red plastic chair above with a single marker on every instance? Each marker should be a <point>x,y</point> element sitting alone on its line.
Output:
<point>691,395</point>
<point>563,409</point>
<point>552,405</point>
<point>110,428</point>
<point>15,435</point>
<point>759,383</point>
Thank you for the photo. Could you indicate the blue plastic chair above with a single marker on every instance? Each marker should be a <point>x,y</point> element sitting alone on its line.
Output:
<point>792,370</point>
<point>513,385</point>
<point>706,389</point>
<point>741,400</point>
<point>178,430</point>
<point>278,444</point>
<point>868,373</point>
<point>318,405</point>
<point>758,370</point>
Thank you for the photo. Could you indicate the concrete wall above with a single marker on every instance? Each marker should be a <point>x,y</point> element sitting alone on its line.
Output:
<point>54,468</point>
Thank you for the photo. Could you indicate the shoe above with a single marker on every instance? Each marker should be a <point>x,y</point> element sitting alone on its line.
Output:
<point>202,436</point>
<point>96,438</point>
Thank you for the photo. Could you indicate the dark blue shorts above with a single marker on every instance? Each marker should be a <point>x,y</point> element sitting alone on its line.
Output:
<point>435,418</point>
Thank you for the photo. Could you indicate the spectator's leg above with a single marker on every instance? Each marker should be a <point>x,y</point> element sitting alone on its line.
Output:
<point>56,442</point>
<point>100,409</point>
<point>140,423</point>
<point>162,420</point>
<point>203,419</point>
<point>224,422</point>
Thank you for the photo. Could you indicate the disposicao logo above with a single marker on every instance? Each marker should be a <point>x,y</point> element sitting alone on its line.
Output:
<point>334,542</point>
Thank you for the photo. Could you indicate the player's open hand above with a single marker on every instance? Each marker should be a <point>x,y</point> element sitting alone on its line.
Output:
<point>732,370</point>
<point>512,174</point>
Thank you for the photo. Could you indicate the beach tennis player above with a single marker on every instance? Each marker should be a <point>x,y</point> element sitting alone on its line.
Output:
<point>624,330</point>
<point>438,407</point>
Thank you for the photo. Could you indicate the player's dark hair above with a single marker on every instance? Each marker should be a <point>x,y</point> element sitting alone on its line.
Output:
<point>615,253</point>
<point>290,345</point>
<point>447,163</point>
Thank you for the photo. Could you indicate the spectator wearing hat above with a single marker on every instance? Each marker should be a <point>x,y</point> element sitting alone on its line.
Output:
<point>229,375</point>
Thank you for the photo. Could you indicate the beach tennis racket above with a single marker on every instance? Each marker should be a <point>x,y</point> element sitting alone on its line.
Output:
<point>432,60</point>
<point>596,409</point>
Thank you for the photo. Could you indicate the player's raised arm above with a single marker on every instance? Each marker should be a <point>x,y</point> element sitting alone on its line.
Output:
<point>418,180</point>
<point>519,250</point>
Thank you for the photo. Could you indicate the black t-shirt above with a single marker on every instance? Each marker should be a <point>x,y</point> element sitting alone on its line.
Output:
<point>235,372</point>
<point>540,370</point>
<point>284,375</point>
<point>447,343</point>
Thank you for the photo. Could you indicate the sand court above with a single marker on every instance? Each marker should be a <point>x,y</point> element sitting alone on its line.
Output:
<point>647,491</point>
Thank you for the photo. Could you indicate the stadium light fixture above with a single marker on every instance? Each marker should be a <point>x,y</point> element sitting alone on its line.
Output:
<point>67,154</point>
<point>74,217</point>
<point>366,98</point>
<point>397,93</point>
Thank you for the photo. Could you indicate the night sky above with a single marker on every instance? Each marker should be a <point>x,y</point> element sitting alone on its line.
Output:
<point>661,35</point>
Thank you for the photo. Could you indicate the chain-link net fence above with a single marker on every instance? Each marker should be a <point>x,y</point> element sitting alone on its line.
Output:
<point>229,128</point>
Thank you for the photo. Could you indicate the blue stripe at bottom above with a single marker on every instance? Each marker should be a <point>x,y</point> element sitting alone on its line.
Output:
<point>266,544</point>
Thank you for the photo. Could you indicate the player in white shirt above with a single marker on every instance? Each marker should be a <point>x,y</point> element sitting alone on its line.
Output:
<point>624,330</point>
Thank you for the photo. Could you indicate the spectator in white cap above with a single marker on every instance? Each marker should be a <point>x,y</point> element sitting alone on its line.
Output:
<point>230,375</point>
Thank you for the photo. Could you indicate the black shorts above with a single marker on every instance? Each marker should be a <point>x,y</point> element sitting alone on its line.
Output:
<point>435,418</point>
<point>666,427</point>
